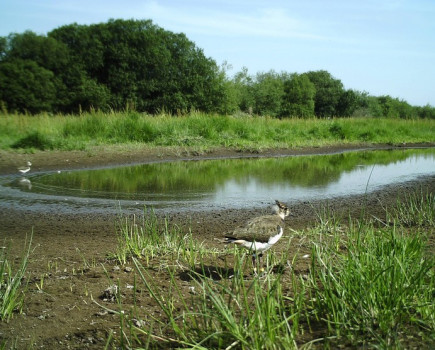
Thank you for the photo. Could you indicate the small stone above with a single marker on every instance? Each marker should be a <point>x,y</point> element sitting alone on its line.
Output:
<point>139,323</point>
<point>109,294</point>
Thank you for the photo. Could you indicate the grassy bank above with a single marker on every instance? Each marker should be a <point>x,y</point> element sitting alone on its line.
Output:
<point>202,132</point>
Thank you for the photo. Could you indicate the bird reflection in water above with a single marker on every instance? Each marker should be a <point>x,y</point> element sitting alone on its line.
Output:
<point>25,183</point>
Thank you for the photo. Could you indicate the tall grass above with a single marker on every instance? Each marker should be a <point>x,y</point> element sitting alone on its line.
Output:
<point>66,132</point>
<point>11,297</point>
<point>376,289</point>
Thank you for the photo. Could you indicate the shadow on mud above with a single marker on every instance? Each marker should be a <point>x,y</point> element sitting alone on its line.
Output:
<point>214,272</point>
<point>219,273</point>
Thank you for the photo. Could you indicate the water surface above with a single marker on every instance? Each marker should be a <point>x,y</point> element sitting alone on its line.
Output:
<point>211,184</point>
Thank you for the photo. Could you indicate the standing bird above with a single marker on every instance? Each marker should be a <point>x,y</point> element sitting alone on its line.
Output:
<point>261,233</point>
<point>25,169</point>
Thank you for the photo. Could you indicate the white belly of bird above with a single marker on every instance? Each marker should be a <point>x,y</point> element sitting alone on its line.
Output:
<point>260,247</point>
<point>257,246</point>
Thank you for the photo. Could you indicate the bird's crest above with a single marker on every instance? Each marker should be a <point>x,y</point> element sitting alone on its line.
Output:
<point>283,210</point>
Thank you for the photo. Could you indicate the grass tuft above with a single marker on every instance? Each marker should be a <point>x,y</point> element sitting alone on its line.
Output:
<point>34,140</point>
<point>11,297</point>
<point>148,237</point>
<point>417,209</point>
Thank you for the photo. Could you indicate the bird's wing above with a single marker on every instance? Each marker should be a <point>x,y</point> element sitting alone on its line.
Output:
<point>259,229</point>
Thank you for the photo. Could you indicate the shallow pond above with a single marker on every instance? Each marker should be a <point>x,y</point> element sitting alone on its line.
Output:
<point>215,184</point>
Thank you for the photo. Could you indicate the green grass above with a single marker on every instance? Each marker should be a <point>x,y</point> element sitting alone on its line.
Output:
<point>201,131</point>
<point>240,313</point>
<point>380,287</point>
<point>148,238</point>
<point>11,294</point>
<point>369,285</point>
<point>418,209</point>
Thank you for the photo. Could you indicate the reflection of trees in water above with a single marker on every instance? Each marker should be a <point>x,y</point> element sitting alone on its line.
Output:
<point>207,175</point>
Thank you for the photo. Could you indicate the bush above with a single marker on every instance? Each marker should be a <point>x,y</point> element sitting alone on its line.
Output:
<point>34,140</point>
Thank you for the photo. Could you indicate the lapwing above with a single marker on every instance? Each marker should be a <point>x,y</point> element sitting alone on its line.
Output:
<point>261,233</point>
<point>25,169</point>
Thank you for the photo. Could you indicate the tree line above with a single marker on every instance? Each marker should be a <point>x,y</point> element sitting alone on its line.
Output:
<point>135,64</point>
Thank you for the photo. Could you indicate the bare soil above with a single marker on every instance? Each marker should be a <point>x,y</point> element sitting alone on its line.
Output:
<point>69,263</point>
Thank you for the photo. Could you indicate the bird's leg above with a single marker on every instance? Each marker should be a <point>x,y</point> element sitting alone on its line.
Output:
<point>254,264</point>
<point>259,263</point>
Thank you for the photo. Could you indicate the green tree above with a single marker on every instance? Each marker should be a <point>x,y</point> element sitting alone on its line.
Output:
<point>26,87</point>
<point>227,101</point>
<point>3,47</point>
<point>347,103</point>
<point>243,84</point>
<point>46,52</point>
<point>328,93</point>
<point>427,112</point>
<point>145,66</point>
<point>53,56</point>
<point>85,46</point>
<point>268,92</point>
<point>298,100</point>
<point>395,108</point>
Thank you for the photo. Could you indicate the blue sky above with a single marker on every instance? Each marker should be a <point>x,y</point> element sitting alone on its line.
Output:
<point>383,47</point>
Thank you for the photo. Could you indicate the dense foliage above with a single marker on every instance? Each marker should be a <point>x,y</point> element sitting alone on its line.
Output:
<point>136,65</point>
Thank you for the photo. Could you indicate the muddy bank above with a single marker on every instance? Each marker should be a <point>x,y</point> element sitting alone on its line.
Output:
<point>119,155</point>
